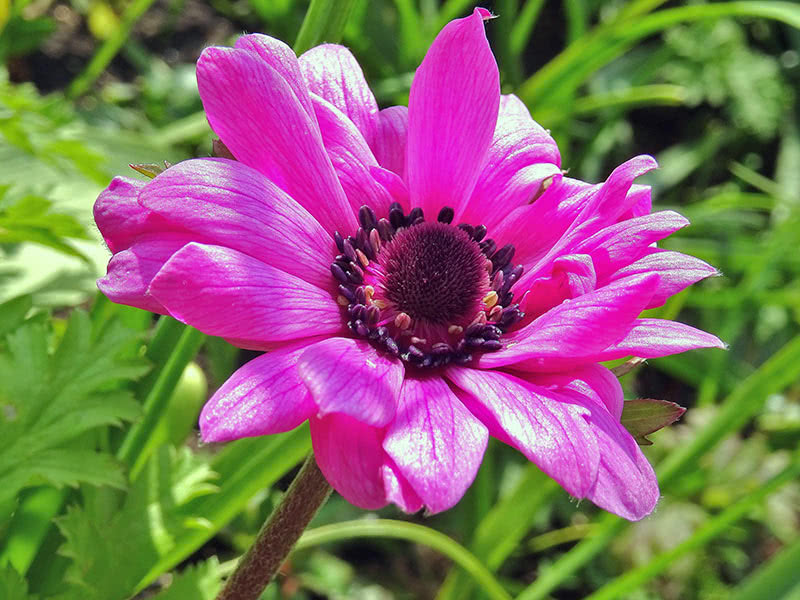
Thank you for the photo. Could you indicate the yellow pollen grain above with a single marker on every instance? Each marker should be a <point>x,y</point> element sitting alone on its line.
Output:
<point>342,301</point>
<point>418,341</point>
<point>490,299</point>
<point>380,304</point>
<point>495,312</point>
<point>455,330</point>
<point>402,321</point>
<point>362,258</point>
<point>369,292</point>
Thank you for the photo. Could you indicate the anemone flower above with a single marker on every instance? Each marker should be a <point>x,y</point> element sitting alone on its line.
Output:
<point>418,278</point>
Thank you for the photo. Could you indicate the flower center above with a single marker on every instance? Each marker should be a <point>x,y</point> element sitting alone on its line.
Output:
<point>429,292</point>
<point>434,273</point>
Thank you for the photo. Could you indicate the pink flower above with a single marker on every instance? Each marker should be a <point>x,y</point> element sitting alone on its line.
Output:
<point>331,242</point>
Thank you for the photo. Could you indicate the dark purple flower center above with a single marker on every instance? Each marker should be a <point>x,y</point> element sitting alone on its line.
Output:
<point>435,273</point>
<point>429,292</point>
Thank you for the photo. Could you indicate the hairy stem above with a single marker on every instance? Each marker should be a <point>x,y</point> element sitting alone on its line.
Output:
<point>280,532</point>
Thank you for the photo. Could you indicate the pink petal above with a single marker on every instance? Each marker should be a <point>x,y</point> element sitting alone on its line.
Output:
<point>601,206</point>
<point>226,293</point>
<point>348,376</point>
<point>352,159</point>
<point>621,243</point>
<point>259,118</point>
<point>577,328</point>
<point>511,107</point>
<point>452,112</point>
<point>535,228</point>
<point>651,338</point>
<point>435,442</point>
<point>398,490</point>
<point>573,275</point>
<point>390,139</point>
<point>264,396</point>
<point>332,72</point>
<point>229,204</point>
<point>677,271</point>
<point>549,431</point>
<point>280,57</point>
<point>626,484</point>
<point>130,271</point>
<point>119,216</point>
<point>593,382</point>
<point>521,156</point>
<point>350,455</point>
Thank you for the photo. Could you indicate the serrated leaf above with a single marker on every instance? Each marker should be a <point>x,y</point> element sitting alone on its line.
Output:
<point>51,397</point>
<point>644,416</point>
<point>199,582</point>
<point>67,467</point>
<point>13,586</point>
<point>142,531</point>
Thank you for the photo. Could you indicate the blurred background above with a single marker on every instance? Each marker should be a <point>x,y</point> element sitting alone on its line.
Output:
<point>89,86</point>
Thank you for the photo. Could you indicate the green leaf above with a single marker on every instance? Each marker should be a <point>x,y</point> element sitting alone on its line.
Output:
<point>12,313</point>
<point>50,398</point>
<point>644,416</point>
<point>141,531</point>
<point>13,586</point>
<point>198,582</point>
<point>324,22</point>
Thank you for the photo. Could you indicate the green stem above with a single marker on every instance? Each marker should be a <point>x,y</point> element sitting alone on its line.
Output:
<point>258,566</point>
<point>133,449</point>
<point>324,22</point>
<point>387,528</point>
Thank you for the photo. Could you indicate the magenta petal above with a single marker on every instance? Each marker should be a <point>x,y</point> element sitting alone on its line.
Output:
<point>677,271</point>
<point>621,243</point>
<point>573,275</point>
<point>398,490</point>
<point>264,396</point>
<point>435,442</point>
<point>226,293</point>
<point>452,112</point>
<point>118,214</point>
<point>577,328</point>
<point>259,118</point>
<point>593,382</point>
<point>350,455</point>
<point>391,137</point>
<point>626,484</point>
<point>332,72</point>
<point>348,376</point>
<point>282,58</point>
<point>230,204</point>
<point>512,107</point>
<point>131,270</point>
<point>549,431</point>
<point>651,338</point>
<point>352,159</point>
<point>520,158</point>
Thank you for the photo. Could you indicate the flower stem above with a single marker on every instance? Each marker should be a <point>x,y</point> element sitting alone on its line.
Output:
<point>307,493</point>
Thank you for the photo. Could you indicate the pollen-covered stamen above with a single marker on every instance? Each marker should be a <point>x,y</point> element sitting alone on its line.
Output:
<point>428,292</point>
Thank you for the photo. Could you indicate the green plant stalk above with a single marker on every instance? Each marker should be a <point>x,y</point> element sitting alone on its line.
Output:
<point>324,22</point>
<point>780,370</point>
<point>387,528</point>
<point>32,520</point>
<point>501,530</point>
<point>307,493</point>
<point>108,50</point>
<point>779,576</point>
<point>135,445</point>
<point>623,586</point>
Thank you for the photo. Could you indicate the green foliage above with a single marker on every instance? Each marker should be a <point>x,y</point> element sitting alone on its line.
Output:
<point>54,394</point>
<point>141,530</point>
<point>101,496</point>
